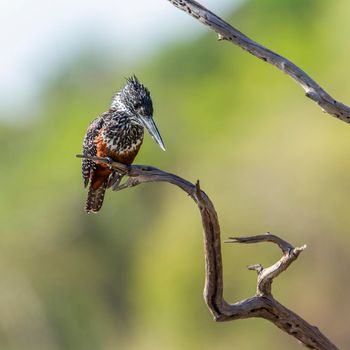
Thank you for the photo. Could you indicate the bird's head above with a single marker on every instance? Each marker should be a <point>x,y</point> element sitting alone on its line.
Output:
<point>135,100</point>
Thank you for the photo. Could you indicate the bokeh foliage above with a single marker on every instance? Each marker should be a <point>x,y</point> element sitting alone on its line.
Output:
<point>131,277</point>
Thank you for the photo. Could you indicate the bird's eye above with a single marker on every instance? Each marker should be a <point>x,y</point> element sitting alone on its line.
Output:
<point>137,105</point>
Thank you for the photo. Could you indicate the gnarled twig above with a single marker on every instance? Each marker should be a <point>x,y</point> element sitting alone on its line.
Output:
<point>266,276</point>
<point>263,303</point>
<point>226,32</point>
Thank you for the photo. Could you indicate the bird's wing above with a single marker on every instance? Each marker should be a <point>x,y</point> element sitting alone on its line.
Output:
<point>89,146</point>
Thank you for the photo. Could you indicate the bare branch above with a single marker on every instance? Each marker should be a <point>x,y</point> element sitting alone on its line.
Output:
<point>267,237</point>
<point>266,276</point>
<point>226,32</point>
<point>261,305</point>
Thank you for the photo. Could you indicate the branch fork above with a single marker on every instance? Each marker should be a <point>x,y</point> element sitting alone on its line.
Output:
<point>267,275</point>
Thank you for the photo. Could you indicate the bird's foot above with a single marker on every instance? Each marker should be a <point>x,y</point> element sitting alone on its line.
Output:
<point>109,162</point>
<point>114,180</point>
<point>129,167</point>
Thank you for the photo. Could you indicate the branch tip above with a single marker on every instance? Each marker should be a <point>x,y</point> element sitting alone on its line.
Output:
<point>231,240</point>
<point>257,267</point>
<point>298,250</point>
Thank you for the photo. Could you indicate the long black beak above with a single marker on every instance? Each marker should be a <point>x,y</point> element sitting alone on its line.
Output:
<point>149,124</point>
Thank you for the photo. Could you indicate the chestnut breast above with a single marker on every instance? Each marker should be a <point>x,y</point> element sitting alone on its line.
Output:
<point>121,146</point>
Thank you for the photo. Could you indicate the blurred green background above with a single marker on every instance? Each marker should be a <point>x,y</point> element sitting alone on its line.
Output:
<point>132,276</point>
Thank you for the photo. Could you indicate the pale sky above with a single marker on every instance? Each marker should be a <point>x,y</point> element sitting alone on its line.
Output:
<point>36,36</point>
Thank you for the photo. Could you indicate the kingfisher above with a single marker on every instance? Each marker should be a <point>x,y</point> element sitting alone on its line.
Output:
<point>118,135</point>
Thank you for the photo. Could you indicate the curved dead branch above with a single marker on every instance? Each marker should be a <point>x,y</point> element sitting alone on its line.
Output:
<point>226,32</point>
<point>261,305</point>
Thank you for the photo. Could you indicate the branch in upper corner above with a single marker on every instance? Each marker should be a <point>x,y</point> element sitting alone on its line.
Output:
<point>226,32</point>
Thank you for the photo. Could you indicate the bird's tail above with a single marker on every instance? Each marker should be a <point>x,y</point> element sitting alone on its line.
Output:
<point>95,198</point>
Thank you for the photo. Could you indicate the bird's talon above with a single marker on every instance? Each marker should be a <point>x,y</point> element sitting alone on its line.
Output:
<point>109,162</point>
